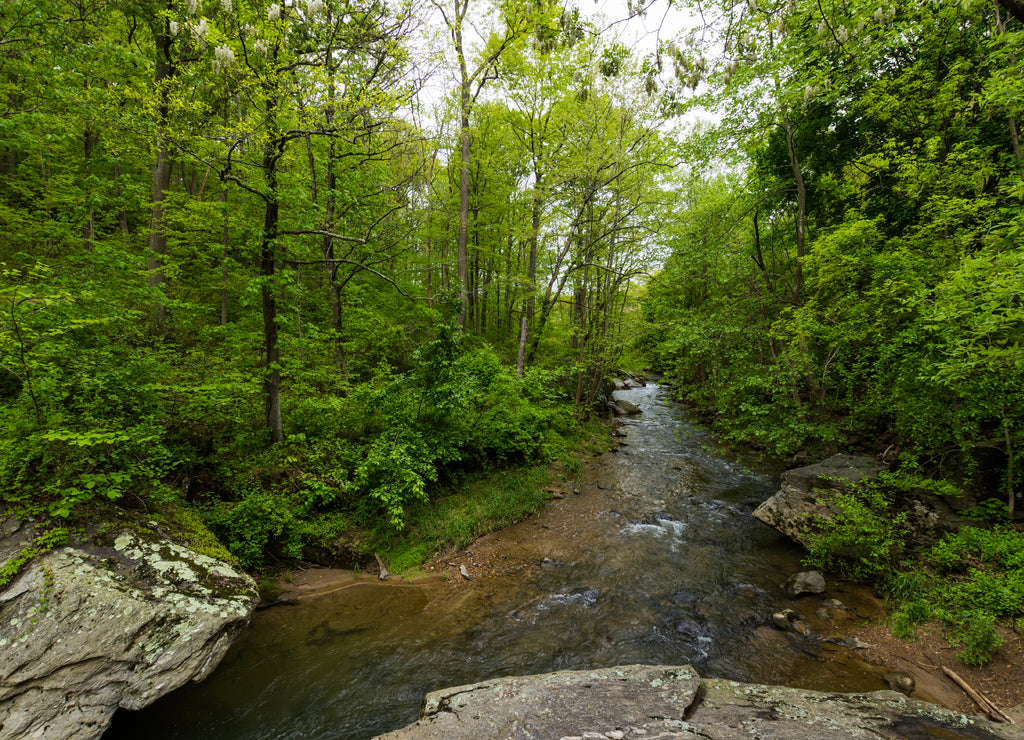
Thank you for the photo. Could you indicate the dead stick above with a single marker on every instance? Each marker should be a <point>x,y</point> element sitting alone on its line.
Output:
<point>986,706</point>
<point>383,574</point>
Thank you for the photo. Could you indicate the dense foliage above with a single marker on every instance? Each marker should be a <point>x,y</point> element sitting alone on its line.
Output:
<point>240,271</point>
<point>250,270</point>
<point>852,276</point>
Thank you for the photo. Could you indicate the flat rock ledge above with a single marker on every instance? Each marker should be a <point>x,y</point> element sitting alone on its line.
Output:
<point>675,702</point>
<point>91,628</point>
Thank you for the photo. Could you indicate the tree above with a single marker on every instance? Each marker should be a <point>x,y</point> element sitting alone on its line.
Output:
<point>516,21</point>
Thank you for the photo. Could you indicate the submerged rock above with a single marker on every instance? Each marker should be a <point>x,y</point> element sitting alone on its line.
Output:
<point>675,702</point>
<point>91,628</point>
<point>626,408</point>
<point>785,619</point>
<point>807,582</point>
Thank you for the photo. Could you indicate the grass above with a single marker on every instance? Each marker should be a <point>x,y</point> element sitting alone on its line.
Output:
<point>463,513</point>
<point>969,581</point>
<point>458,515</point>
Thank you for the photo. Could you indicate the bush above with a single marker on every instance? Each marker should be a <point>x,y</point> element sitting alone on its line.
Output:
<point>977,635</point>
<point>978,579</point>
<point>863,539</point>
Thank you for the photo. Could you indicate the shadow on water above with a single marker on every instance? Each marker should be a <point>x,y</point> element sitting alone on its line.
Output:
<point>665,566</point>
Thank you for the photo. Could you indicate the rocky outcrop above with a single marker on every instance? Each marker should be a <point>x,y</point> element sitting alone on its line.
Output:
<point>803,501</point>
<point>114,622</point>
<point>803,498</point>
<point>675,702</point>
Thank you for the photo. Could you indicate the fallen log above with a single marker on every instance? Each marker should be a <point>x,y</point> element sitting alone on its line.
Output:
<point>980,699</point>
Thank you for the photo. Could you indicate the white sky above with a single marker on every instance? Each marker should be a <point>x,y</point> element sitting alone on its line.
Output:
<point>661,21</point>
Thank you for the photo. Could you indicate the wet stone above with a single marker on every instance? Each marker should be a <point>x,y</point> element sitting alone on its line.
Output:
<point>784,619</point>
<point>808,582</point>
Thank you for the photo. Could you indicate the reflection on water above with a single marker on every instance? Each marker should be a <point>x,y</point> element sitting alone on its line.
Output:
<point>674,571</point>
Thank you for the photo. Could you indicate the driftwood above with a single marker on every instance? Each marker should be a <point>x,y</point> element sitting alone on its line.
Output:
<point>987,706</point>
<point>384,573</point>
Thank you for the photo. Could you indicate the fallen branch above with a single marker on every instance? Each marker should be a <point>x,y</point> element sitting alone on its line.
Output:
<point>383,574</point>
<point>987,707</point>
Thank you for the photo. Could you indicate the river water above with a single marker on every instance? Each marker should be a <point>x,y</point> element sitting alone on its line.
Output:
<point>656,561</point>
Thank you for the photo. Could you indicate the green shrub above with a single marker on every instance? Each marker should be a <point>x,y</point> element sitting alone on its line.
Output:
<point>253,524</point>
<point>977,635</point>
<point>864,537</point>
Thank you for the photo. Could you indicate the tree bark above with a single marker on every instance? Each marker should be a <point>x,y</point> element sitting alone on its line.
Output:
<point>801,211</point>
<point>268,270</point>
<point>1014,8</point>
<point>224,256</point>
<point>163,164</point>
<point>463,232</point>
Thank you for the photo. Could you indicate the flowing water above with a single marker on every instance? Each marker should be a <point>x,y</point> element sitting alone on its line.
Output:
<point>657,561</point>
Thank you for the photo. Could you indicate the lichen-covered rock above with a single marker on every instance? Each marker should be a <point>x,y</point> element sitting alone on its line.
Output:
<point>675,702</point>
<point>90,628</point>
<point>800,503</point>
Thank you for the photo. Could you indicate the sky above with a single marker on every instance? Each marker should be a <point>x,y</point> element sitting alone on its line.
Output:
<point>662,20</point>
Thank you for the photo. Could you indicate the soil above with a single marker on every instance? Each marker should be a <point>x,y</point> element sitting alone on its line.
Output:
<point>1001,681</point>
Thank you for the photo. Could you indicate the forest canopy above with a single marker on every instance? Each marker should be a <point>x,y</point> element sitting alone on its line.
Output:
<point>250,267</point>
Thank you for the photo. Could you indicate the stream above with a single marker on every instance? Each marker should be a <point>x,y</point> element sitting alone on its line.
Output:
<point>656,561</point>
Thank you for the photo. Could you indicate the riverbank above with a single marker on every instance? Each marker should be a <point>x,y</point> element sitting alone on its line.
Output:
<point>537,543</point>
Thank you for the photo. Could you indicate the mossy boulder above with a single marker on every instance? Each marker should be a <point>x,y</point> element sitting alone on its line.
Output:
<point>116,620</point>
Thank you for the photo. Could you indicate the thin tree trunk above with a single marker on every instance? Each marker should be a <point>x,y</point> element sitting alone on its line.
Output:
<point>163,165</point>
<point>521,354</point>
<point>463,231</point>
<point>268,270</point>
<point>801,212</point>
<point>89,229</point>
<point>224,255</point>
<point>122,212</point>
<point>428,277</point>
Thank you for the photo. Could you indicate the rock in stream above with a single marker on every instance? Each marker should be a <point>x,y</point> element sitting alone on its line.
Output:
<point>90,628</point>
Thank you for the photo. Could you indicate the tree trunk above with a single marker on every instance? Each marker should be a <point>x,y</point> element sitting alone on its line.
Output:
<point>89,229</point>
<point>463,232</point>
<point>801,212</point>
<point>1014,7</point>
<point>163,164</point>
<point>122,212</point>
<point>268,270</point>
<point>224,255</point>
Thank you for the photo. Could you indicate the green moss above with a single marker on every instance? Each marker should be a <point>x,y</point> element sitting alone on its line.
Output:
<point>42,543</point>
<point>191,531</point>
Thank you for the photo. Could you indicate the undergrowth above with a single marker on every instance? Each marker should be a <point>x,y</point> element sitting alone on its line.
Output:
<point>970,581</point>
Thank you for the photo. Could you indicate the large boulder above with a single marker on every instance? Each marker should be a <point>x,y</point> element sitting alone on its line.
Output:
<point>800,502</point>
<point>675,702</point>
<point>626,408</point>
<point>116,621</point>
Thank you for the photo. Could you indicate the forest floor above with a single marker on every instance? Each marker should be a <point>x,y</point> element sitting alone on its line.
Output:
<point>1001,681</point>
